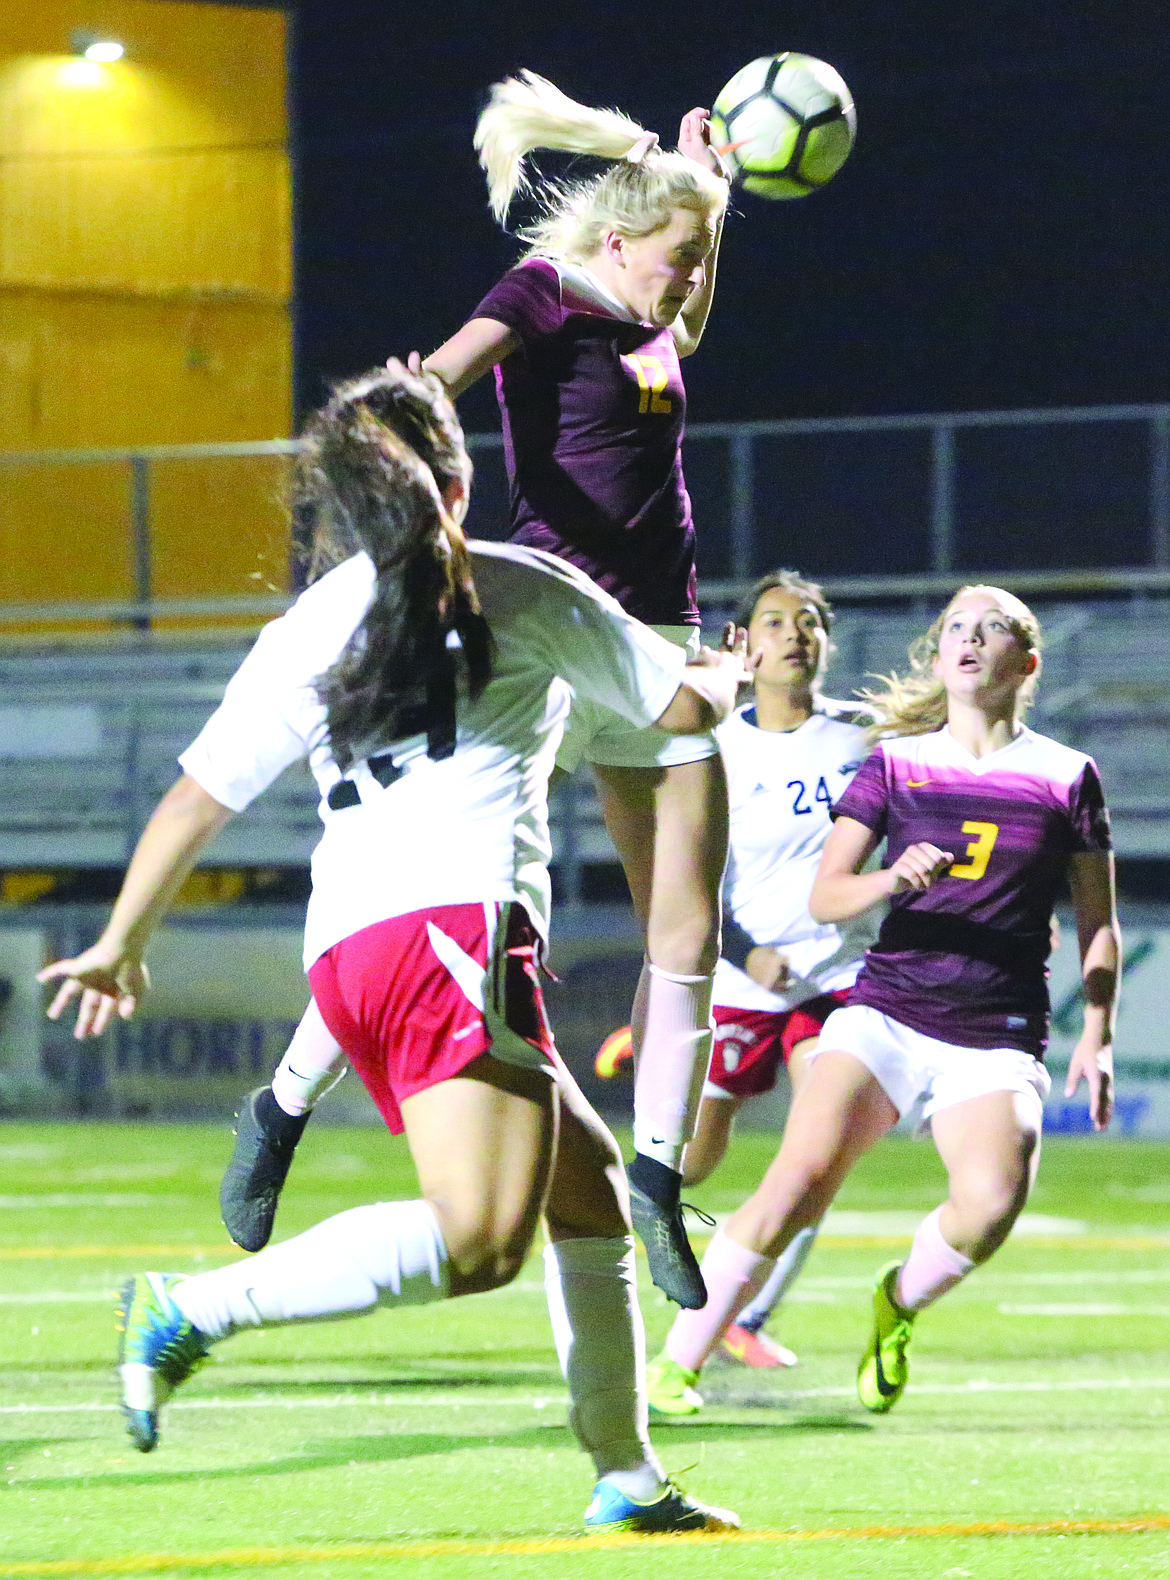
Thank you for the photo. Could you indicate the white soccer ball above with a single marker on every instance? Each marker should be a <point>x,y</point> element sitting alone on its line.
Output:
<point>785,123</point>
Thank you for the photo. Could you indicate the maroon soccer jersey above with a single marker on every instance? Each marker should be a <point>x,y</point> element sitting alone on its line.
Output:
<point>965,961</point>
<point>593,412</point>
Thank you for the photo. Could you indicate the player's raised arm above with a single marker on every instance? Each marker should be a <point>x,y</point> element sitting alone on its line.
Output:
<point>111,975</point>
<point>1091,878</point>
<point>470,353</point>
<point>694,140</point>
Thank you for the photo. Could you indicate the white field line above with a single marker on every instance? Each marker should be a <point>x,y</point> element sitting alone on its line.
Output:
<point>975,1385</point>
<point>811,1289</point>
<point>1098,1310</point>
<point>84,1199</point>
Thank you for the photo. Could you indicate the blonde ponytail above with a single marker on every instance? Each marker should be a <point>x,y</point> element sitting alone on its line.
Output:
<point>635,196</point>
<point>529,112</point>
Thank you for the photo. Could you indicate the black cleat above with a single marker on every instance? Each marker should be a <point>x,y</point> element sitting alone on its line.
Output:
<point>659,1225</point>
<point>266,1138</point>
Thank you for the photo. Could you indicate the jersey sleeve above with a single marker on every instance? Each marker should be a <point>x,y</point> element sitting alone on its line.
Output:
<point>588,639</point>
<point>866,798</point>
<point>1088,813</point>
<point>256,732</point>
<point>527,300</point>
<point>270,716</point>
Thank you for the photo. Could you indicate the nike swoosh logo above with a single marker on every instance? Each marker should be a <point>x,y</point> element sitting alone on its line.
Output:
<point>468,973</point>
<point>916,784</point>
<point>884,1388</point>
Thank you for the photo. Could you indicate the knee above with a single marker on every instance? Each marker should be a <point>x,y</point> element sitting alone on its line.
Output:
<point>477,1269</point>
<point>593,1201</point>
<point>484,1255</point>
<point>790,1201</point>
<point>686,945</point>
<point>987,1209</point>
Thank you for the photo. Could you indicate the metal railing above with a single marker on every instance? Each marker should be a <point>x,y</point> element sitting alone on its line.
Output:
<point>740,487</point>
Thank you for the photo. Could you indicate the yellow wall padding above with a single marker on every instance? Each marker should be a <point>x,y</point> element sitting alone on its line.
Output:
<point>145,265</point>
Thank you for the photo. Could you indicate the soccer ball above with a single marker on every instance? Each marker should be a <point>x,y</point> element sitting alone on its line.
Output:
<point>785,123</point>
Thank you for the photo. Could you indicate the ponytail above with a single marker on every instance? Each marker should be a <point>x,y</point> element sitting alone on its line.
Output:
<point>636,196</point>
<point>370,475</point>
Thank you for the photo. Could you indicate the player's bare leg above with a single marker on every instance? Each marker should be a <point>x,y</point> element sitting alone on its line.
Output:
<point>670,829</point>
<point>708,1146</point>
<point>838,1114</point>
<point>483,1144</point>
<point>991,1148</point>
<point>745,1340</point>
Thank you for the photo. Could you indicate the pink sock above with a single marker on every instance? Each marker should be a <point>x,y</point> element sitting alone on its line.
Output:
<point>672,1063</point>
<point>733,1276</point>
<point>931,1269</point>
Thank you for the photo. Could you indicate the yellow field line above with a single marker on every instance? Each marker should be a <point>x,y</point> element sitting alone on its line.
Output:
<point>488,1547</point>
<point>829,1242</point>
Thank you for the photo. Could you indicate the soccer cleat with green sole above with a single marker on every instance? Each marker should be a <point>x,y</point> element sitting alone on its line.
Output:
<point>670,1388</point>
<point>672,1510</point>
<point>158,1350</point>
<point>884,1369</point>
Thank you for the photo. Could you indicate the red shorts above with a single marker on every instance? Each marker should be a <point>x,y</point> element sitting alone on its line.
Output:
<point>415,998</point>
<point>752,1044</point>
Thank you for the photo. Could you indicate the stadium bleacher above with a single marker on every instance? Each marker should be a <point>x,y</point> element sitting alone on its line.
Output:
<point>89,733</point>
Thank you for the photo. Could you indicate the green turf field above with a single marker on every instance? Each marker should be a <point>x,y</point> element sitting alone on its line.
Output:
<point>1034,1439</point>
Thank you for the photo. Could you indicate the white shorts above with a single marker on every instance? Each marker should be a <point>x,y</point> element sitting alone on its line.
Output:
<point>595,734</point>
<point>908,1065</point>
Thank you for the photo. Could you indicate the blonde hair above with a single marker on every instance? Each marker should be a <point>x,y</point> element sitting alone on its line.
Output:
<point>635,197</point>
<point>916,704</point>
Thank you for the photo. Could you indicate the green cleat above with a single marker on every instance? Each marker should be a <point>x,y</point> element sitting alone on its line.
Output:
<point>158,1350</point>
<point>670,1388</point>
<point>882,1375</point>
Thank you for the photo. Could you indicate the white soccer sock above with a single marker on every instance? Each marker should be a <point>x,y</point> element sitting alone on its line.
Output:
<point>732,1275</point>
<point>672,1065</point>
<point>391,1253</point>
<point>592,1293</point>
<point>932,1267</point>
<point>313,1064</point>
<point>780,1280</point>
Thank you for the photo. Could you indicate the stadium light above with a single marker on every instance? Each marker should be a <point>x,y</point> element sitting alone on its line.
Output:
<point>91,46</point>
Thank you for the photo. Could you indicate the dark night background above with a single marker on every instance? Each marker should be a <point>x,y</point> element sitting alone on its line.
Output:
<point>997,239</point>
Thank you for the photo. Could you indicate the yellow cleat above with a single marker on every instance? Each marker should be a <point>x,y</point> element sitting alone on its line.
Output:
<point>615,1053</point>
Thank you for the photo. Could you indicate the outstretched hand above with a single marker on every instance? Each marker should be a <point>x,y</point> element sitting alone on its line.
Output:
<point>1093,1065</point>
<point>107,981</point>
<point>694,140</point>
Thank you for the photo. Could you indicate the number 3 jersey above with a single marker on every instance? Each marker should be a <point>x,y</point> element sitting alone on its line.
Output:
<point>593,410</point>
<point>965,961</point>
<point>781,787</point>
